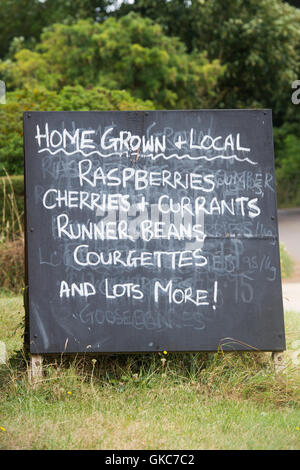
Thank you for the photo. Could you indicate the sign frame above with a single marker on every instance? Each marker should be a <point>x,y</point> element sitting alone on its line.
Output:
<point>179,334</point>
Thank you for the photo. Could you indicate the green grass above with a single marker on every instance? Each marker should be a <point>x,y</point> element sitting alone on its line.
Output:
<point>286,262</point>
<point>160,416</point>
<point>176,401</point>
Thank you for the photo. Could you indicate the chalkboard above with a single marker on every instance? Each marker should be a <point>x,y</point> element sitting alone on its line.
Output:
<point>151,231</point>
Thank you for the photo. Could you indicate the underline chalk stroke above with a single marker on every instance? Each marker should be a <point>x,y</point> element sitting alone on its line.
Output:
<point>150,155</point>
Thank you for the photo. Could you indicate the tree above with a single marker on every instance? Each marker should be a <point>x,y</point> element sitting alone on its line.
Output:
<point>257,40</point>
<point>28,18</point>
<point>295,3</point>
<point>130,53</point>
<point>177,17</point>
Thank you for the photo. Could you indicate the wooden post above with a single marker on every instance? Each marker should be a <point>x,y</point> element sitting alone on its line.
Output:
<point>36,368</point>
<point>278,359</point>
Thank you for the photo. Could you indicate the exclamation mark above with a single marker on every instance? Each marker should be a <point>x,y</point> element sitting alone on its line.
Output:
<point>215,294</point>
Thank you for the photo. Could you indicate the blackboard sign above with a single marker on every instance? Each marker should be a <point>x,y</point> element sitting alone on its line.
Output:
<point>151,231</point>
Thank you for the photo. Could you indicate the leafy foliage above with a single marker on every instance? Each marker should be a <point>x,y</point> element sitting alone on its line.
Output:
<point>257,40</point>
<point>130,53</point>
<point>26,19</point>
<point>288,172</point>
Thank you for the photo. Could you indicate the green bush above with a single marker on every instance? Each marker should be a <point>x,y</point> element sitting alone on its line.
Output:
<point>288,172</point>
<point>286,263</point>
<point>131,53</point>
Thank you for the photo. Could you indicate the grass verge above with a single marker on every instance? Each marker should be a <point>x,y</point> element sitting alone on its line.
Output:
<point>173,401</point>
